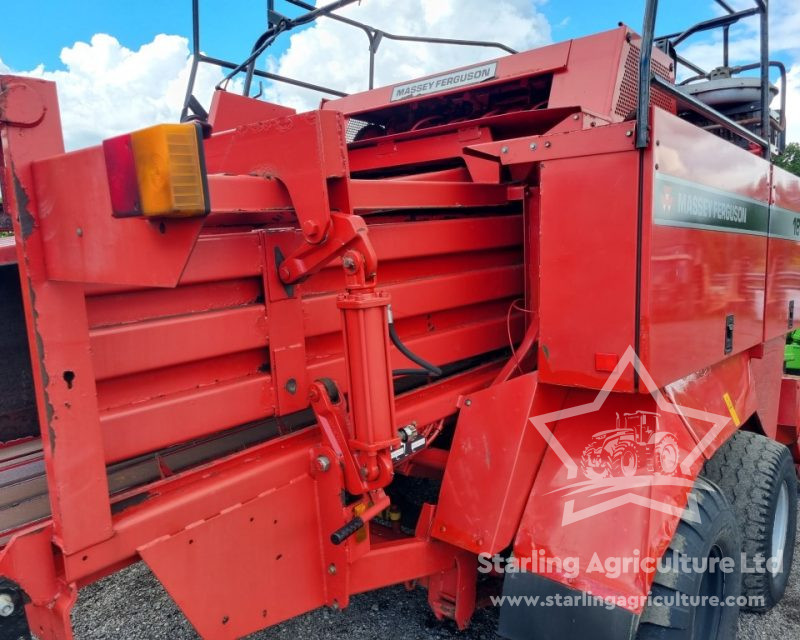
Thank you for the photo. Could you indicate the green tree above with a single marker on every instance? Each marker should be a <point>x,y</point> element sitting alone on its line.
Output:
<point>790,158</point>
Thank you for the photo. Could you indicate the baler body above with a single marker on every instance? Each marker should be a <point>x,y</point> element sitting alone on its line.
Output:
<point>177,366</point>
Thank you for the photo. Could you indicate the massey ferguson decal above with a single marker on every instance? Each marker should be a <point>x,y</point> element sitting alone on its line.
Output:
<point>445,81</point>
<point>680,203</point>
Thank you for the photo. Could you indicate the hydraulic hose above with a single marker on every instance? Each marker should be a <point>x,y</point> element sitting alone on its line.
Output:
<point>427,367</point>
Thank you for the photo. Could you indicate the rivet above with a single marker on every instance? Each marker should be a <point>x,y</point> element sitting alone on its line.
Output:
<point>533,146</point>
<point>503,149</point>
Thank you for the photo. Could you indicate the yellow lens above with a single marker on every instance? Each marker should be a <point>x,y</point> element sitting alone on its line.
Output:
<point>169,170</point>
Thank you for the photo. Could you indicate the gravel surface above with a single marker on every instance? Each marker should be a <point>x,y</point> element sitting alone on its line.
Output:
<point>132,605</point>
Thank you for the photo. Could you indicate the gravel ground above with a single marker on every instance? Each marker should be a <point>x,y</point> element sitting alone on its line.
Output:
<point>112,608</point>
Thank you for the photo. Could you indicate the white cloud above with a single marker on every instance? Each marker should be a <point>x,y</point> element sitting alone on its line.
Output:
<point>107,89</point>
<point>336,55</point>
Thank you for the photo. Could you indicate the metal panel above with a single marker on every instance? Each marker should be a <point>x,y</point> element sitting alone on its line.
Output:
<point>587,270</point>
<point>704,249</point>
<point>782,302</point>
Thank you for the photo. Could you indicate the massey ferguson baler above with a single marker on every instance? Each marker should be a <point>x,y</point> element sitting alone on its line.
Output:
<point>476,332</point>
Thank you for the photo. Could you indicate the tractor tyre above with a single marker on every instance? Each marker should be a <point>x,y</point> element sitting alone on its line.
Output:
<point>667,455</point>
<point>758,477</point>
<point>684,573</point>
<point>594,471</point>
<point>624,460</point>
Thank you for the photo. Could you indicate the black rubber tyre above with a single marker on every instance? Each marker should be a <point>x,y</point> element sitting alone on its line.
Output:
<point>751,469</point>
<point>714,536</point>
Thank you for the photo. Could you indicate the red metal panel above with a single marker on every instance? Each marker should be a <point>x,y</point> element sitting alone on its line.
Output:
<point>490,471</point>
<point>173,504</point>
<point>57,326</point>
<point>163,421</point>
<point>149,304</point>
<point>144,386</point>
<point>375,195</point>
<point>229,110</point>
<point>783,255</point>
<point>85,243</point>
<point>134,347</point>
<point>568,519</point>
<point>695,275</point>
<point>223,257</point>
<point>767,373</point>
<point>710,390</point>
<point>252,565</point>
<point>587,270</point>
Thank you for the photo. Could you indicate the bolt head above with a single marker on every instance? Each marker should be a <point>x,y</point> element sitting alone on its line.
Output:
<point>332,569</point>
<point>503,149</point>
<point>323,463</point>
<point>547,144</point>
<point>348,263</point>
<point>310,228</point>
<point>6,605</point>
<point>533,146</point>
<point>468,402</point>
<point>629,133</point>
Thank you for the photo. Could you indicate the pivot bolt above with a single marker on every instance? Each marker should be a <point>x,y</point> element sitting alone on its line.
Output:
<point>323,463</point>
<point>310,228</point>
<point>348,263</point>
<point>6,605</point>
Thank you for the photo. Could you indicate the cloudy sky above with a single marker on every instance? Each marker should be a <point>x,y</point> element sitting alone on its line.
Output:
<point>123,65</point>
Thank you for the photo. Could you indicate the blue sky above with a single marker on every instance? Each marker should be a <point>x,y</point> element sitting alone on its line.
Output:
<point>229,28</point>
<point>122,64</point>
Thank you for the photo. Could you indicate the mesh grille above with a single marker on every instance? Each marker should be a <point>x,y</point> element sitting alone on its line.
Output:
<point>629,88</point>
<point>353,127</point>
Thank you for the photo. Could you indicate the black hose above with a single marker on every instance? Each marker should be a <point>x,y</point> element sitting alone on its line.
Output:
<point>411,372</point>
<point>427,367</point>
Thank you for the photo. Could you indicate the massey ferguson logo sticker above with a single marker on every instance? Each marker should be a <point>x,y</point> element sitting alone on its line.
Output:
<point>680,203</point>
<point>451,80</point>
